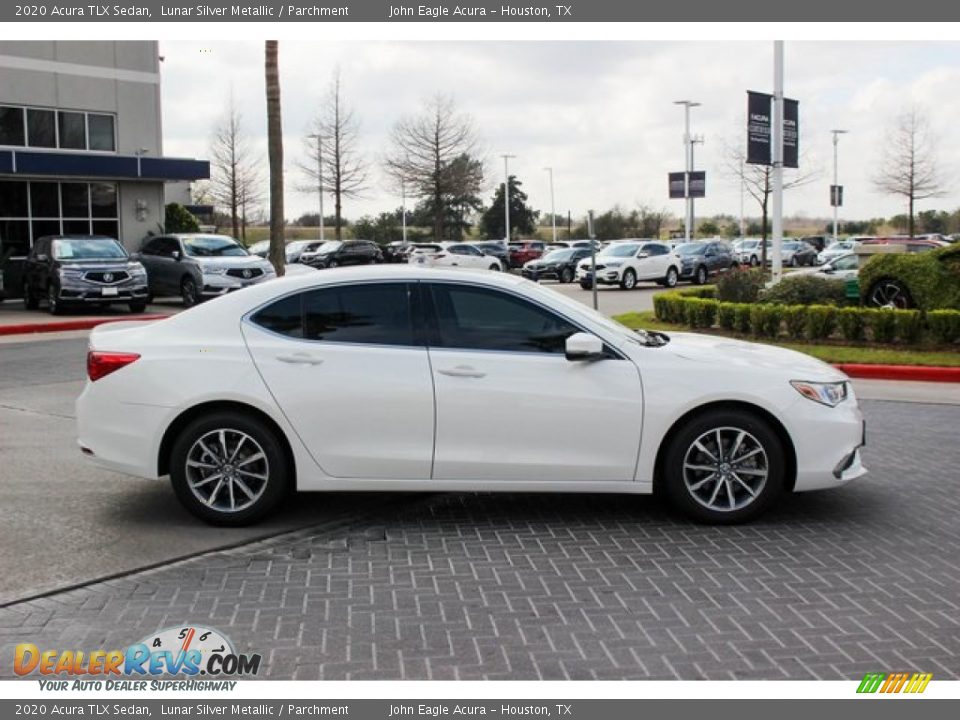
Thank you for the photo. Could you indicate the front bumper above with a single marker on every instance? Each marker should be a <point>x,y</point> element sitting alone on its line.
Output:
<point>540,273</point>
<point>92,294</point>
<point>828,443</point>
<point>215,285</point>
<point>605,276</point>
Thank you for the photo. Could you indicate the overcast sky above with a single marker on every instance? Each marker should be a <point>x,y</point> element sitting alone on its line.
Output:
<point>600,113</point>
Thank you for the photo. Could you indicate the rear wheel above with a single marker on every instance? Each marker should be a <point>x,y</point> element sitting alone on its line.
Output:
<point>495,267</point>
<point>30,301</point>
<point>229,469</point>
<point>890,294</point>
<point>629,280</point>
<point>724,466</point>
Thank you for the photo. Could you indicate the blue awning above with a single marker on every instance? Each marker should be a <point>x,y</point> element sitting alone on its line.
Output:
<point>108,167</point>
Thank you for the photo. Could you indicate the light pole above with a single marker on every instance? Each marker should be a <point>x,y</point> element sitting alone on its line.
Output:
<point>836,181</point>
<point>403,207</point>
<point>506,197</point>
<point>553,209</point>
<point>688,163</point>
<point>777,159</point>
<point>697,139</point>
<point>319,139</point>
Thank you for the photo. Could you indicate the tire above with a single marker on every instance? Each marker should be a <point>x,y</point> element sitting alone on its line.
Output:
<point>188,292</point>
<point>566,275</point>
<point>754,261</point>
<point>495,267</point>
<point>793,261</point>
<point>629,280</point>
<point>332,264</point>
<point>245,437</point>
<point>688,471</point>
<point>53,300</point>
<point>890,293</point>
<point>700,276</point>
<point>671,278</point>
<point>138,307</point>
<point>586,284</point>
<point>30,301</point>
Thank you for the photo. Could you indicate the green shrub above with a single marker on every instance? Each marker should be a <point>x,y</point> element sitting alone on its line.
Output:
<point>706,292</point>
<point>741,317</point>
<point>805,290</point>
<point>740,286</point>
<point>944,325</point>
<point>700,312</point>
<point>882,324</point>
<point>766,320</point>
<point>909,326</point>
<point>852,322</point>
<point>726,315</point>
<point>821,320</point>
<point>795,318</point>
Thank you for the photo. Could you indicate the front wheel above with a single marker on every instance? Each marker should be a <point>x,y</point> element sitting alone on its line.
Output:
<point>138,307</point>
<point>586,285</point>
<point>188,292</point>
<point>701,277</point>
<point>891,294</point>
<point>754,261</point>
<point>228,469</point>
<point>566,275</point>
<point>724,466</point>
<point>629,280</point>
<point>670,279</point>
<point>495,267</point>
<point>53,300</point>
<point>332,264</point>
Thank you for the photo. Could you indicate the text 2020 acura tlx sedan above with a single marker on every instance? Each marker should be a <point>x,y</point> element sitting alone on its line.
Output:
<point>406,378</point>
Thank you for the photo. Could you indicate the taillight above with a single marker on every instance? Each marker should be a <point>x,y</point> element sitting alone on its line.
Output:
<point>101,364</point>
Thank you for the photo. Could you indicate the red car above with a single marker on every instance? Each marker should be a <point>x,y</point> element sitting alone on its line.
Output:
<point>524,251</point>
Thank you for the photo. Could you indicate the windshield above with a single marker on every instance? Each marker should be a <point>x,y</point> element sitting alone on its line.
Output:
<point>87,249</point>
<point>691,249</point>
<point>329,247</point>
<point>625,250</point>
<point>296,245</point>
<point>559,255</point>
<point>212,246</point>
<point>750,244</point>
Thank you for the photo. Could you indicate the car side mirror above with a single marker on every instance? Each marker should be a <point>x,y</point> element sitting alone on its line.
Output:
<point>643,255</point>
<point>177,255</point>
<point>828,270</point>
<point>583,346</point>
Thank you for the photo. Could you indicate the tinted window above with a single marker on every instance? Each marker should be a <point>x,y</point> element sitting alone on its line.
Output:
<point>101,132</point>
<point>376,314</point>
<point>11,126</point>
<point>40,128</point>
<point>13,198</point>
<point>73,131</point>
<point>45,201</point>
<point>656,250</point>
<point>75,199</point>
<point>285,316</point>
<point>482,319</point>
<point>103,200</point>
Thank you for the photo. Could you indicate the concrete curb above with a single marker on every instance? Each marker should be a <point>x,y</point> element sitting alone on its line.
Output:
<point>919,373</point>
<point>67,325</point>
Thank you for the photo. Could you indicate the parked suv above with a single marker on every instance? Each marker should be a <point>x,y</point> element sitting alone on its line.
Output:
<point>343,252</point>
<point>626,263</point>
<point>558,263</point>
<point>524,251</point>
<point>76,270</point>
<point>700,260</point>
<point>196,266</point>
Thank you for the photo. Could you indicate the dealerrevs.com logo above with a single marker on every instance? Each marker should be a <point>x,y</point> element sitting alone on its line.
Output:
<point>191,650</point>
<point>911,683</point>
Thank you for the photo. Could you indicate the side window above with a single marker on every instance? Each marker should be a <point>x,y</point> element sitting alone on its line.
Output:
<point>483,319</point>
<point>377,314</point>
<point>285,316</point>
<point>471,250</point>
<point>152,247</point>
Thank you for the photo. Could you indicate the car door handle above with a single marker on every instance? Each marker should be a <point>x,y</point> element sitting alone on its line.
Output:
<point>462,371</point>
<point>300,359</point>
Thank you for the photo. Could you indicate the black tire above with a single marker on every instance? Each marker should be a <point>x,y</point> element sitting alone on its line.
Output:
<point>188,292</point>
<point>629,280</point>
<point>671,278</point>
<point>754,261</point>
<point>274,467</point>
<point>332,264</point>
<point>679,486</point>
<point>700,276</point>
<point>53,300</point>
<point>138,307</point>
<point>793,261</point>
<point>566,275</point>
<point>495,267</point>
<point>30,301</point>
<point>890,293</point>
<point>586,284</point>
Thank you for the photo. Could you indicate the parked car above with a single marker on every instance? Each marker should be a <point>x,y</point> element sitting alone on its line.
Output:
<point>453,254</point>
<point>74,270</point>
<point>497,249</point>
<point>334,253</point>
<point>261,248</point>
<point>625,264</point>
<point>924,280</point>
<point>524,251</point>
<point>700,260</point>
<point>817,242</point>
<point>416,251</point>
<point>795,253</point>
<point>559,264</point>
<point>845,267</point>
<point>835,250</point>
<point>395,252</point>
<point>751,252</point>
<point>299,366</point>
<point>196,266</point>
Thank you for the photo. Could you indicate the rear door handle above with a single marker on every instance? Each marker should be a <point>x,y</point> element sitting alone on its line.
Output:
<point>300,359</point>
<point>462,371</point>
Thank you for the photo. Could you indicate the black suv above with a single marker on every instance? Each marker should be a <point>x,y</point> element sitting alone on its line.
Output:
<point>343,252</point>
<point>77,270</point>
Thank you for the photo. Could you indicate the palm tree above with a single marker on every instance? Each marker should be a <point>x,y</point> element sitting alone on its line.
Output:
<point>275,155</point>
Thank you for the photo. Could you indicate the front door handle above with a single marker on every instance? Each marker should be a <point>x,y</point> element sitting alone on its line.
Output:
<point>300,359</point>
<point>462,371</point>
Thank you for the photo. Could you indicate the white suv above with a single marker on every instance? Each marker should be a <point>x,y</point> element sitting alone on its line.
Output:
<point>454,254</point>
<point>626,263</point>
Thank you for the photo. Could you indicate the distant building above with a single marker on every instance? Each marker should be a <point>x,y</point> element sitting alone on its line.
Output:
<point>81,144</point>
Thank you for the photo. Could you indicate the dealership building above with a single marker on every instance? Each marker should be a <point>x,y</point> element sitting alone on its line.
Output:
<point>81,145</point>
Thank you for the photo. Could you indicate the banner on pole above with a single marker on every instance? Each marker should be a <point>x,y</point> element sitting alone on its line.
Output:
<point>697,185</point>
<point>677,182</point>
<point>791,133</point>
<point>758,128</point>
<point>836,196</point>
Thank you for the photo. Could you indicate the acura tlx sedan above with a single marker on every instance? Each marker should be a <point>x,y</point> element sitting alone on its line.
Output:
<point>404,378</point>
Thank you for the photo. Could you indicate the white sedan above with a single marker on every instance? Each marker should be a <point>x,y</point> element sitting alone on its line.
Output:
<point>453,254</point>
<point>405,378</point>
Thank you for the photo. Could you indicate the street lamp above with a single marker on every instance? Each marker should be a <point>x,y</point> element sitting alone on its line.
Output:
<point>320,139</point>
<point>836,183</point>
<point>506,196</point>
<point>688,162</point>
<point>694,141</point>
<point>553,209</point>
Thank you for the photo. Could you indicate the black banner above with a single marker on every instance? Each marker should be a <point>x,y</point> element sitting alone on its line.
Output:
<point>677,183</point>
<point>836,196</point>
<point>758,128</point>
<point>697,185</point>
<point>791,133</point>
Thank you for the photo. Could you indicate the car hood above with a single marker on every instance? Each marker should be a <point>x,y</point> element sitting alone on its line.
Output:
<point>232,261</point>
<point>750,357</point>
<point>97,264</point>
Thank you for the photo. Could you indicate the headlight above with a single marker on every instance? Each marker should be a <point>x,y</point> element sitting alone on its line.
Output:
<point>213,270</point>
<point>615,263</point>
<point>830,394</point>
<point>70,273</point>
<point>136,270</point>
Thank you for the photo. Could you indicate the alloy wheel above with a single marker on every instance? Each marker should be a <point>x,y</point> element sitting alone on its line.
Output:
<point>725,469</point>
<point>629,280</point>
<point>188,291</point>
<point>227,470</point>
<point>890,294</point>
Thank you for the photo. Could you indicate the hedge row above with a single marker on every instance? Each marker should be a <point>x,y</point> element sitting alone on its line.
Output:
<point>807,322</point>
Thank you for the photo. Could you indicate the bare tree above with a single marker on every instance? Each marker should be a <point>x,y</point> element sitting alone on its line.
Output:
<point>235,180</point>
<point>909,167</point>
<point>332,141</point>
<point>758,182</point>
<point>275,155</point>
<point>424,155</point>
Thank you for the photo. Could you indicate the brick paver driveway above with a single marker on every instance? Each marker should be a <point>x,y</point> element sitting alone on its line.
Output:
<point>831,585</point>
